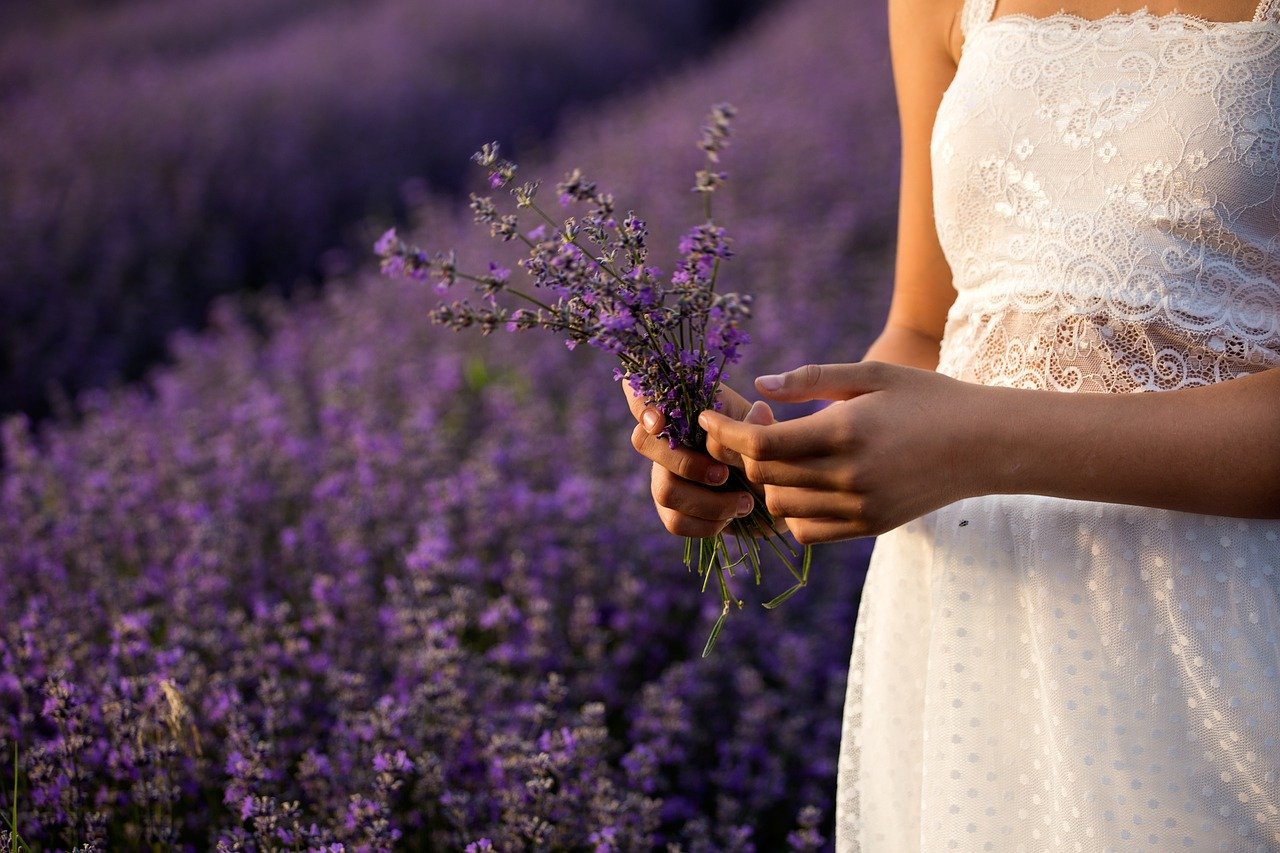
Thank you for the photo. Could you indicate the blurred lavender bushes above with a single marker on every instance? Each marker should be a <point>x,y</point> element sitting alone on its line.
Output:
<point>157,153</point>
<point>341,577</point>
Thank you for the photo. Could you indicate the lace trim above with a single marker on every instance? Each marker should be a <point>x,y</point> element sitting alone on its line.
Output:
<point>975,14</point>
<point>1107,193</point>
<point>1268,10</point>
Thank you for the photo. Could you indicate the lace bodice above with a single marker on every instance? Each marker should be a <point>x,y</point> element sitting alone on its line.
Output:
<point>1107,193</point>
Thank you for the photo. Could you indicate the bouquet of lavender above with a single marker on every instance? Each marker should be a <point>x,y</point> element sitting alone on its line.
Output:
<point>673,337</point>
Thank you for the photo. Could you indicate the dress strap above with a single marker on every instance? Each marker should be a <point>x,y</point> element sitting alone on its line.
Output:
<point>1268,10</point>
<point>977,12</point>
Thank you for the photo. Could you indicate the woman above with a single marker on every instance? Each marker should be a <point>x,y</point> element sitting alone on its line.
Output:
<point>1070,632</point>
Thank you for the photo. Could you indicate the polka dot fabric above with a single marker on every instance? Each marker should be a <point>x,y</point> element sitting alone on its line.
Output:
<point>1039,674</point>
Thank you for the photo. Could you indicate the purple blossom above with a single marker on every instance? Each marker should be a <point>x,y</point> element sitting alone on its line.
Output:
<point>243,529</point>
<point>595,297</point>
<point>387,242</point>
<point>218,145</point>
<point>398,762</point>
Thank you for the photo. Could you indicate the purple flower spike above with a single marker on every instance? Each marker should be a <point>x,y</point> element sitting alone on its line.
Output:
<point>592,284</point>
<point>386,243</point>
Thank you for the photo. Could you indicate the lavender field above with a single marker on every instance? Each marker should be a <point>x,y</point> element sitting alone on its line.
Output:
<point>155,154</point>
<point>337,579</point>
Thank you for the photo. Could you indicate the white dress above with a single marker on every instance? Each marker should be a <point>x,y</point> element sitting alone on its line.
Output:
<point>1033,673</point>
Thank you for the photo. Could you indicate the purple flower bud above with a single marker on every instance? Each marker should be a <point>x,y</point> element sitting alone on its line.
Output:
<point>387,243</point>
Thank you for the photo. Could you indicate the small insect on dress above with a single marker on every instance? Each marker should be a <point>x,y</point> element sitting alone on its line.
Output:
<point>1033,673</point>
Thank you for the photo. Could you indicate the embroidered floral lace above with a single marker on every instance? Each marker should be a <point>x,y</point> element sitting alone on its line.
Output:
<point>1106,194</point>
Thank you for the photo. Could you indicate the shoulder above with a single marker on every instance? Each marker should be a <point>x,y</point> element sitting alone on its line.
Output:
<point>927,25</point>
<point>924,40</point>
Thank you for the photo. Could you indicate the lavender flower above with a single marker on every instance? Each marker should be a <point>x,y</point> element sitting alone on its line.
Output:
<point>158,115</point>
<point>674,337</point>
<point>340,537</point>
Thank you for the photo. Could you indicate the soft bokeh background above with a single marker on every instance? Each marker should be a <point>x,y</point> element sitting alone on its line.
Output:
<point>329,575</point>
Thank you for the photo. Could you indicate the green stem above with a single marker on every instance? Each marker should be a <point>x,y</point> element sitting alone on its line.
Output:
<point>13,825</point>
<point>801,582</point>
<point>538,302</point>
<point>715,630</point>
<point>15,839</point>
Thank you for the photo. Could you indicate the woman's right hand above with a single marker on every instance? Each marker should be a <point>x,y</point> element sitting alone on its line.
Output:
<point>684,482</point>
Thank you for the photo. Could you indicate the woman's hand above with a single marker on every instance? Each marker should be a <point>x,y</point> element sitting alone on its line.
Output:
<point>897,443</point>
<point>684,482</point>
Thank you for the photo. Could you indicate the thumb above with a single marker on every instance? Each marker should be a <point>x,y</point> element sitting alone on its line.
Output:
<point>760,414</point>
<point>823,382</point>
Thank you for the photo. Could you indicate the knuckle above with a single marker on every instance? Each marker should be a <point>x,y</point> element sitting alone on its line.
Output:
<point>758,445</point>
<point>867,518</point>
<point>876,523</point>
<point>803,533</point>
<point>673,521</point>
<point>774,504</point>
<point>668,518</point>
<point>875,372</point>
<point>716,450</point>
<point>684,525</point>
<point>808,375</point>
<point>847,429</point>
<point>663,487</point>
<point>690,468</point>
<point>864,526</point>
<point>639,438</point>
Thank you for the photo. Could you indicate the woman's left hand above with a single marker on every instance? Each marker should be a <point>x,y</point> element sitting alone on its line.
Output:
<point>897,443</point>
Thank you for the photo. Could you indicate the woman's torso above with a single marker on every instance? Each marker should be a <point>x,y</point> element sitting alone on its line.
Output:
<point>1107,194</point>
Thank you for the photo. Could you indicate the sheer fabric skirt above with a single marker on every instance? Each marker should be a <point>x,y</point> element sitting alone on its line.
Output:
<point>1032,673</point>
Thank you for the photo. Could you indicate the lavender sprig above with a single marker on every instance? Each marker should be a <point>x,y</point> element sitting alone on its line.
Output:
<point>592,282</point>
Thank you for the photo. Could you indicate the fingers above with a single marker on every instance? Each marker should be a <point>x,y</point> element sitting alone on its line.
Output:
<point>824,382</point>
<point>687,509</point>
<point>811,473</point>
<point>759,413</point>
<point>683,480</point>
<point>681,461</point>
<point>813,531</point>
<point>818,473</point>
<point>799,438</point>
<point>732,404</point>
<point>649,416</point>
<point>802,503</point>
<point>814,515</point>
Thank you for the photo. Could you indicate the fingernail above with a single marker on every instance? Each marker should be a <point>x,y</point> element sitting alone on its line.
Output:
<point>717,474</point>
<point>770,383</point>
<point>745,503</point>
<point>649,419</point>
<point>702,420</point>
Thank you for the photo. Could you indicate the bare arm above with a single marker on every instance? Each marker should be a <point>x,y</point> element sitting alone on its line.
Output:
<point>922,37</point>
<point>901,442</point>
<point>1213,450</point>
